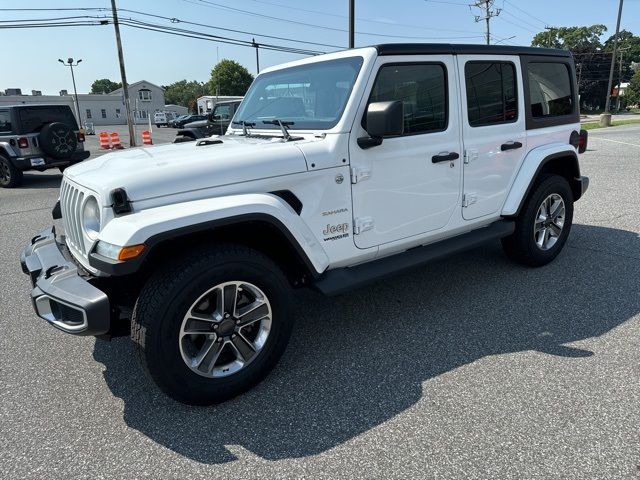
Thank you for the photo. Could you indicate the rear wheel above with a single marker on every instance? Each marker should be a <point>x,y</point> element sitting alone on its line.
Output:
<point>544,223</point>
<point>212,325</point>
<point>10,176</point>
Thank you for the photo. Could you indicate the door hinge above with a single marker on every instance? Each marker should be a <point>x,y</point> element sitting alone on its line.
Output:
<point>469,199</point>
<point>362,224</point>
<point>470,155</point>
<point>359,173</point>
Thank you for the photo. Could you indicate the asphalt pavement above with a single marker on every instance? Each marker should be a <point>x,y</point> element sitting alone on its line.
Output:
<point>471,368</point>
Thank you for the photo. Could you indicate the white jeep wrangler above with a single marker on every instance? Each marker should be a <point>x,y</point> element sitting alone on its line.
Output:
<point>337,171</point>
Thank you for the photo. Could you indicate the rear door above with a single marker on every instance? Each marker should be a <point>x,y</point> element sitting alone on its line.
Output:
<point>494,132</point>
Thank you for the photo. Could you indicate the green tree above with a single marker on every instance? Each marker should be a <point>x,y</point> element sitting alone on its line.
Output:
<point>229,78</point>
<point>632,94</point>
<point>104,85</point>
<point>184,93</point>
<point>629,48</point>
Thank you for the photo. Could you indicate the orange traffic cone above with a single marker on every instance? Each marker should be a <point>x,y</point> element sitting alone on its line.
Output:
<point>105,143</point>
<point>146,137</point>
<point>115,141</point>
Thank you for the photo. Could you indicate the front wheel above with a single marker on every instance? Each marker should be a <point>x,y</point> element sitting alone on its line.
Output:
<point>544,223</point>
<point>213,325</point>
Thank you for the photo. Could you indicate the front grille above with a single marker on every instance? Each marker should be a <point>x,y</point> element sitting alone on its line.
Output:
<point>71,199</point>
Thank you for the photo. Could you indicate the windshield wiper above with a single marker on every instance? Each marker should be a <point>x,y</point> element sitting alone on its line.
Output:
<point>283,126</point>
<point>244,126</point>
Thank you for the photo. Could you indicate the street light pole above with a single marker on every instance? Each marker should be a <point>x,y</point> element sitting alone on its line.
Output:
<point>70,64</point>
<point>605,118</point>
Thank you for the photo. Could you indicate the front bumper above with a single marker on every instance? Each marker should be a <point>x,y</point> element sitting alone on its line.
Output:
<point>62,294</point>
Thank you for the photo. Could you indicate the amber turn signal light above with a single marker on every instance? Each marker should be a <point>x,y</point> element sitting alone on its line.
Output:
<point>127,253</point>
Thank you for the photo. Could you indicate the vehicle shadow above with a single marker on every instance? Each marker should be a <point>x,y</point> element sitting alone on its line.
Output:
<point>40,180</point>
<point>358,360</point>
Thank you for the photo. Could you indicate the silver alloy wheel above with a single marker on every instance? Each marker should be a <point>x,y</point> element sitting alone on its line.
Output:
<point>549,222</point>
<point>225,329</point>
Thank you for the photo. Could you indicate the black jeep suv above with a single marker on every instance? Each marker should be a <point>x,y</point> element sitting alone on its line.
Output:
<point>37,137</point>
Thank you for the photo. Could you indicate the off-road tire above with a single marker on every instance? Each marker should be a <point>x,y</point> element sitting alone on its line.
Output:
<point>10,176</point>
<point>169,294</point>
<point>521,246</point>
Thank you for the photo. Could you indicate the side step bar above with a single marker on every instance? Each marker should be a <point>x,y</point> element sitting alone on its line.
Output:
<point>340,280</point>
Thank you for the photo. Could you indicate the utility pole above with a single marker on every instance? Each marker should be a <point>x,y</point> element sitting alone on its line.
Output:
<point>549,38</point>
<point>605,118</point>
<point>488,14</point>
<point>123,74</point>
<point>622,50</point>
<point>352,24</point>
<point>70,64</point>
<point>257,47</point>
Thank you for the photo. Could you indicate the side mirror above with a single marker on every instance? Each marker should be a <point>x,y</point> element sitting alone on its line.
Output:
<point>210,117</point>
<point>384,119</point>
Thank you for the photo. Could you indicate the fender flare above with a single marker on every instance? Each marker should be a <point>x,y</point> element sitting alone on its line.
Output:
<point>156,225</point>
<point>531,167</point>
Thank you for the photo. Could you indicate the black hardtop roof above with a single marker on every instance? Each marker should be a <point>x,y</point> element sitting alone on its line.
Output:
<point>460,49</point>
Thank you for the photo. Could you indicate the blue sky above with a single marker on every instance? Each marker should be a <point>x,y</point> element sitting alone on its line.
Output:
<point>163,59</point>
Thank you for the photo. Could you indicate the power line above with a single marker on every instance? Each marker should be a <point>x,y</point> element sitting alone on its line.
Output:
<point>368,20</point>
<point>210,4</point>
<point>525,12</point>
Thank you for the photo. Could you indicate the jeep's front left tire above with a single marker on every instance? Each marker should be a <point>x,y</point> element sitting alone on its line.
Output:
<point>10,176</point>
<point>212,325</point>
<point>544,223</point>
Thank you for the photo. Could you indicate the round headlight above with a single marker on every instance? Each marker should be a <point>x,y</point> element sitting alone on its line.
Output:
<point>91,218</point>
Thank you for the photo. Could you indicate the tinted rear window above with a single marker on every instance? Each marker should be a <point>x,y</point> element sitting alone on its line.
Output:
<point>491,93</point>
<point>550,90</point>
<point>32,119</point>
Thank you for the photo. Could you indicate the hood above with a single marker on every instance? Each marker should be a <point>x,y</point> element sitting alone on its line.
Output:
<point>196,124</point>
<point>182,167</point>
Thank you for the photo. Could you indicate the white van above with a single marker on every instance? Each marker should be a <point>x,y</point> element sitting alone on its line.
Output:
<point>162,119</point>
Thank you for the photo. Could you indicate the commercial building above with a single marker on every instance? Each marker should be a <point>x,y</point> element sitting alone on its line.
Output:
<point>100,109</point>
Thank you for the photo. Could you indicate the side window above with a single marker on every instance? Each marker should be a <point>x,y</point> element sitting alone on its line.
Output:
<point>222,112</point>
<point>5,121</point>
<point>423,91</point>
<point>492,96</point>
<point>550,90</point>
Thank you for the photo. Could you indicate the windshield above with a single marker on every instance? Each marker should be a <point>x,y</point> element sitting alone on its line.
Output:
<point>311,96</point>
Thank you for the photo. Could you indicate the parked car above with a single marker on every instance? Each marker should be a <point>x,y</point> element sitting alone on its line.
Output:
<point>173,123</point>
<point>162,119</point>
<point>216,123</point>
<point>37,137</point>
<point>337,171</point>
<point>188,119</point>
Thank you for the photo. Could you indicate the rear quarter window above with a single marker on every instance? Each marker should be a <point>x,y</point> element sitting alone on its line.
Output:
<point>5,121</point>
<point>33,119</point>
<point>550,92</point>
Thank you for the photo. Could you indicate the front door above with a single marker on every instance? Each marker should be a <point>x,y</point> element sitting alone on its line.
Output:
<point>494,132</point>
<point>410,184</point>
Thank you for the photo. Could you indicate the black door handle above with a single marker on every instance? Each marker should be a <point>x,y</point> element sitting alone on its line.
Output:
<point>510,146</point>
<point>447,157</point>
